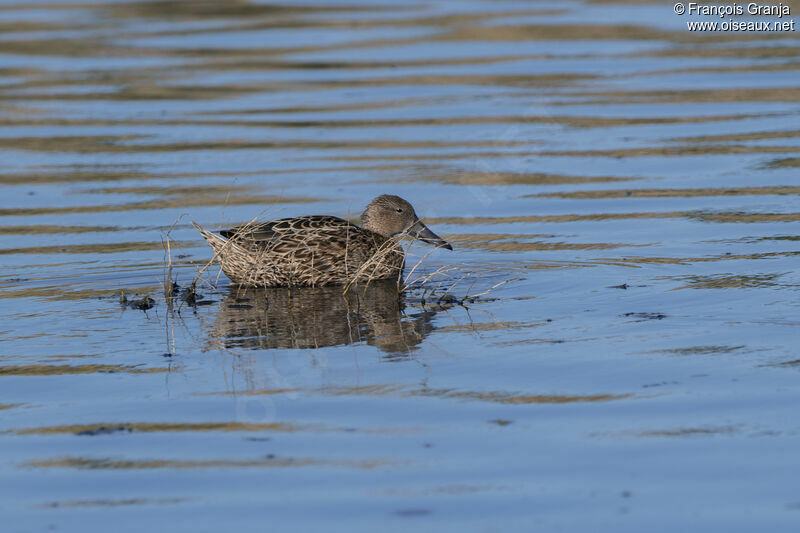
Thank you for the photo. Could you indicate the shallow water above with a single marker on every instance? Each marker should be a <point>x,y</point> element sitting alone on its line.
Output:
<point>622,196</point>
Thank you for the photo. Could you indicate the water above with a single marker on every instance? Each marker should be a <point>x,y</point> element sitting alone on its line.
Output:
<point>622,196</point>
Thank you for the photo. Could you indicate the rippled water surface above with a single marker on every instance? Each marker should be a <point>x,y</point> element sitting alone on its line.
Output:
<point>612,345</point>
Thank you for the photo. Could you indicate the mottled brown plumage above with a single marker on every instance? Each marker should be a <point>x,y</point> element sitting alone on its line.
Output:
<point>320,250</point>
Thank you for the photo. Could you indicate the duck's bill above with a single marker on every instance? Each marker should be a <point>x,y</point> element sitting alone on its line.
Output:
<point>420,231</point>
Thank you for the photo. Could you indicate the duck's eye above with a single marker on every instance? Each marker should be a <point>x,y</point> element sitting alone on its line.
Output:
<point>399,210</point>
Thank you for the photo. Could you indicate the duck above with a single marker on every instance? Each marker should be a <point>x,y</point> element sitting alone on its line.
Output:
<point>318,250</point>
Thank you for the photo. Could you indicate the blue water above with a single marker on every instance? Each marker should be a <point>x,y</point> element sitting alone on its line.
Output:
<point>612,344</point>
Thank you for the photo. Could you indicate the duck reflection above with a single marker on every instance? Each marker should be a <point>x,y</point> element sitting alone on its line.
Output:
<point>314,317</point>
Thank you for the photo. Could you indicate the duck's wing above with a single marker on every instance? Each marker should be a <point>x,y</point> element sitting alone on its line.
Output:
<point>285,229</point>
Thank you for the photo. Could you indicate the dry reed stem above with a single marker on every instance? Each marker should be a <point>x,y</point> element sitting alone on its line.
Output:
<point>414,268</point>
<point>169,287</point>
<point>169,291</point>
<point>490,289</point>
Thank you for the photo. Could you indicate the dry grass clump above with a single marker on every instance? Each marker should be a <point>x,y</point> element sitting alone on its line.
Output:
<point>439,285</point>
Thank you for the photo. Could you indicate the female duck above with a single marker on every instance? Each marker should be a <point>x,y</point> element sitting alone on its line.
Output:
<point>320,249</point>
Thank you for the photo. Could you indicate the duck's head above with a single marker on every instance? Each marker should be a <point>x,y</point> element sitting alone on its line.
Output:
<point>390,215</point>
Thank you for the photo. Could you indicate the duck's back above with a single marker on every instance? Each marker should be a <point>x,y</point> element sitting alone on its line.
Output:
<point>309,250</point>
<point>286,228</point>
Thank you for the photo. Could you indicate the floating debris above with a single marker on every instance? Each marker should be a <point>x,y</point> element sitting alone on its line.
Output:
<point>144,303</point>
<point>104,430</point>
<point>646,316</point>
